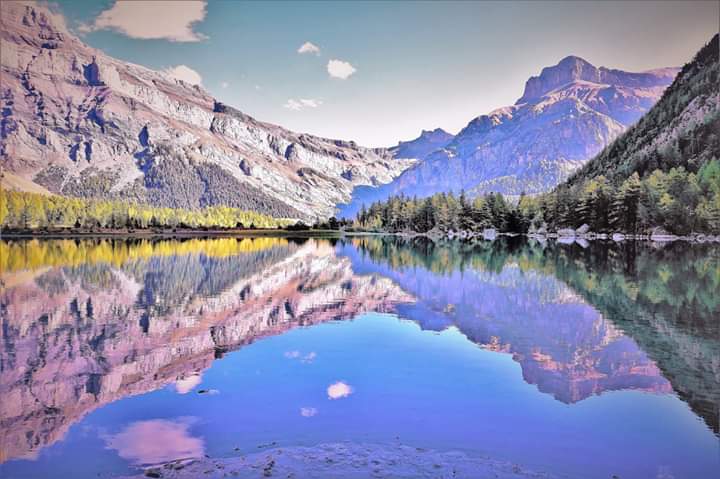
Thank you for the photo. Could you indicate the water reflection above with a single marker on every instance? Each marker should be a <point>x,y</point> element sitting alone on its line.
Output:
<point>580,320</point>
<point>86,323</point>
<point>565,346</point>
<point>156,441</point>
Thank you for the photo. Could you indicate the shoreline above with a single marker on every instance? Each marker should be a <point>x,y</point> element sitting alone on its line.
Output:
<point>167,234</point>
<point>69,233</point>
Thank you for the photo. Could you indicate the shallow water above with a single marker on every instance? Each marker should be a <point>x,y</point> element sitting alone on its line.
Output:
<point>577,362</point>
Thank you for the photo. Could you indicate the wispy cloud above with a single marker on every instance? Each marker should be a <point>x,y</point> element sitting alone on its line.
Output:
<point>302,103</point>
<point>152,20</point>
<point>340,69</point>
<point>224,85</point>
<point>308,411</point>
<point>309,47</point>
<point>184,73</point>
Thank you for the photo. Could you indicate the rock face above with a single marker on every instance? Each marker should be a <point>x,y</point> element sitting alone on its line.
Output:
<point>77,335</point>
<point>78,122</point>
<point>565,116</point>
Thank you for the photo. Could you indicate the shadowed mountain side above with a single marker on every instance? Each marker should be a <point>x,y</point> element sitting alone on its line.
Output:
<point>76,338</point>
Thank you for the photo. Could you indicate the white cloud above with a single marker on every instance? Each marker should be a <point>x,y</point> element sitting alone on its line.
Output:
<point>309,47</point>
<point>340,69</point>
<point>292,354</point>
<point>224,85</point>
<point>184,73</point>
<point>151,20</point>
<point>339,390</point>
<point>308,411</point>
<point>302,103</point>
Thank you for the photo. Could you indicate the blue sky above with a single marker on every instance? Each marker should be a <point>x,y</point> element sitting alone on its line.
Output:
<point>413,65</point>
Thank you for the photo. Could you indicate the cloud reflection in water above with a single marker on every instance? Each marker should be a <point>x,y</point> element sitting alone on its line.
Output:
<point>156,441</point>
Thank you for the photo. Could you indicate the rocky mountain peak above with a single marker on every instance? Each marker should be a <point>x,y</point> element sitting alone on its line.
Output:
<point>573,69</point>
<point>568,70</point>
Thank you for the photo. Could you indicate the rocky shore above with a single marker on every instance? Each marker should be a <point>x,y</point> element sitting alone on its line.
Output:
<point>347,460</point>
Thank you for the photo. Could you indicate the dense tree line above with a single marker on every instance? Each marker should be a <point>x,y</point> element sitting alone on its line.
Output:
<point>679,201</point>
<point>21,210</point>
<point>442,211</point>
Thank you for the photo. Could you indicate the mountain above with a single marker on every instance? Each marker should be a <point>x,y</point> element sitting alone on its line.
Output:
<point>78,122</point>
<point>565,116</point>
<point>418,149</point>
<point>422,146</point>
<point>682,129</point>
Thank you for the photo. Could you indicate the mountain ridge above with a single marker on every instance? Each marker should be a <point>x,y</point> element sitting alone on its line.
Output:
<point>78,122</point>
<point>562,120</point>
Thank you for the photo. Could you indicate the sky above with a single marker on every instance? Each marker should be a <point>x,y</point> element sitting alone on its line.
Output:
<point>380,72</point>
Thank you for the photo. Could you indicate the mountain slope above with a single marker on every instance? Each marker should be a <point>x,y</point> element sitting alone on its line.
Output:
<point>78,122</point>
<point>565,116</point>
<point>682,129</point>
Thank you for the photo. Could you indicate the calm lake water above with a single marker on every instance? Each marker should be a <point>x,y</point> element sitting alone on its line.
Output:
<point>578,362</point>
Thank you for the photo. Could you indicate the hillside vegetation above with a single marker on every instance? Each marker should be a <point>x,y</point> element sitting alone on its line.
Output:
<point>32,211</point>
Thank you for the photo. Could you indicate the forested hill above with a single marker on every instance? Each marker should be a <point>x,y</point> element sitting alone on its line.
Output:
<point>681,130</point>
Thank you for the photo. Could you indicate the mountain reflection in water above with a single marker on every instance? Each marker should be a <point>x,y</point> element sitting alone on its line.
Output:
<point>89,322</point>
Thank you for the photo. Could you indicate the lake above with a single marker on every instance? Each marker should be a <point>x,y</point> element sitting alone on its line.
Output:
<point>592,361</point>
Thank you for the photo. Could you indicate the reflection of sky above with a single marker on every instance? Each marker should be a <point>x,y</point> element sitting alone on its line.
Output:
<point>187,384</point>
<point>156,441</point>
<point>421,388</point>
<point>308,411</point>
<point>565,346</point>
